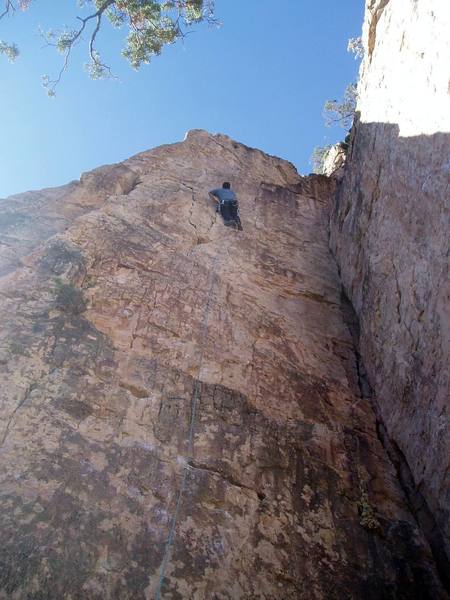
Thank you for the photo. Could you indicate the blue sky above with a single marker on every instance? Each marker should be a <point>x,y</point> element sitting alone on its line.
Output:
<point>261,78</point>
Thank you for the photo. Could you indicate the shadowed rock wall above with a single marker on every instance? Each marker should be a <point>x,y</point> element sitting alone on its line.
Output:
<point>180,409</point>
<point>389,232</point>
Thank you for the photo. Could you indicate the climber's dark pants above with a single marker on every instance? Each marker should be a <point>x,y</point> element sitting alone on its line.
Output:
<point>229,212</point>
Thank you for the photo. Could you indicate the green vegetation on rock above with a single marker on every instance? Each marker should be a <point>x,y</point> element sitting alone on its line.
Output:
<point>69,298</point>
<point>319,157</point>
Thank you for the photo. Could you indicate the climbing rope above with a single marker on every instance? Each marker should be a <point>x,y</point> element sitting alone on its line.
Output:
<point>190,449</point>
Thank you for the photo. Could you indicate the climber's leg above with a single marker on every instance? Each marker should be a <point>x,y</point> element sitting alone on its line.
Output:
<point>225,212</point>
<point>230,215</point>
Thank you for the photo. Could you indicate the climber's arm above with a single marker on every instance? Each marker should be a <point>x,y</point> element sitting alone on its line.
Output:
<point>214,197</point>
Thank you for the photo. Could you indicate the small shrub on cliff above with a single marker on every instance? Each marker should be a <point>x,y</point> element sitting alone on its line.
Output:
<point>342,113</point>
<point>355,47</point>
<point>319,157</point>
<point>69,298</point>
<point>367,516</point>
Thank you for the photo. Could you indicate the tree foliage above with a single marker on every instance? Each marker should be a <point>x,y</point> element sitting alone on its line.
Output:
<point>11,51</point>
<point>150,25</point>
<point>355,46</point>
<point>8,49</point>
<point>343,112</point>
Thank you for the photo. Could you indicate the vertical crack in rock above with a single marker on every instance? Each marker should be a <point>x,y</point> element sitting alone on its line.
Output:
<point>389,234</point>
<point>417,503</point>
<point>24,399</point>
<point>376,9</point>
<point>414,497</point>
<point>191,210</point>
<point>192,423</point>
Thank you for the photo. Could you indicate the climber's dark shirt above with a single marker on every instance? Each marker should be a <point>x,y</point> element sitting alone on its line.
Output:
<point>224,195</point>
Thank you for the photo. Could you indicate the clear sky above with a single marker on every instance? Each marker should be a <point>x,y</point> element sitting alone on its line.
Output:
<point>261,78</point>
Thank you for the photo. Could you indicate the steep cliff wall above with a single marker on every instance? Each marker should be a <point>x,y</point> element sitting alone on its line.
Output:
<point>180,409</point>
<point>390,231</point>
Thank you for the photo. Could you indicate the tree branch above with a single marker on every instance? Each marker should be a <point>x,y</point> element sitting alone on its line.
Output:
<point>9,7</point>
<point>152,25</point>
<point>69,42</point>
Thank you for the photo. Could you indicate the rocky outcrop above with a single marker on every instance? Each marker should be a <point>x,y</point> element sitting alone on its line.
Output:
<point>334,162</point>
<point>181,415</point>
<point>389,232</point>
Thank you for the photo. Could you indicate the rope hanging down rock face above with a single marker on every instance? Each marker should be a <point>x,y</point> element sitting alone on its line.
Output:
<point>190,450</point>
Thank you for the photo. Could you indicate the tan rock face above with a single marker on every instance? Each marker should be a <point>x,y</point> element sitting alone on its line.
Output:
<point>389,231</point>
<point>180,414</point>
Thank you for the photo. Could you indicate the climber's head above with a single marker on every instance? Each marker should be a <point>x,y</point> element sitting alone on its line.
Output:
<point>226,185</point>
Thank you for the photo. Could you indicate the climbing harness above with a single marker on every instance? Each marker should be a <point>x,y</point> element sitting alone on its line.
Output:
<point>190,449</point>
<point>229,211</point>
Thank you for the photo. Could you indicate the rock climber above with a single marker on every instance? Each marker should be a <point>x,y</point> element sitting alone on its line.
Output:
<point>227,205</point>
